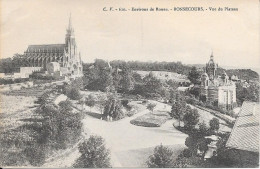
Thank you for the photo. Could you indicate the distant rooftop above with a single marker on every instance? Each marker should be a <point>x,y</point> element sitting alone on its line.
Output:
<point>245,133</point>
<point>49,47</point>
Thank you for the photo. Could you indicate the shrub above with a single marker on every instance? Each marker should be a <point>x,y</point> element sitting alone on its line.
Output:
<point>151,106</point>
<point>190,101</point>
<point>65,106</point>
<point>35,154</point>
<point>74,94</point>
<point>144,101</point>
<point>131,112</point>
<point>90,101</point>
<point>214,124</point>
<point>187,153</point>
<point>161,158</point>
<point>94,154</point>
<point>10,81</point>
<point>125,102</point>
<point>203,129</point>
<point>126,105</point>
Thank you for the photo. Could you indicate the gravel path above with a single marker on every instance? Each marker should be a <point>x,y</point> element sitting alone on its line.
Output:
<point>121,136</point>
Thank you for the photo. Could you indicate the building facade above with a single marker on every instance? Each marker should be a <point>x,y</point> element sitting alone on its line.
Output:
<point>217,89</point>
<point>65,54</point>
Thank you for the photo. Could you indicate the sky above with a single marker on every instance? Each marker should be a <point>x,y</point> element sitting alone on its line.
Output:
<point>189,37</point>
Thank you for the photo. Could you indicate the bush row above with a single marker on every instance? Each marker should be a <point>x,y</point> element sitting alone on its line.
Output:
<point>12,81</point>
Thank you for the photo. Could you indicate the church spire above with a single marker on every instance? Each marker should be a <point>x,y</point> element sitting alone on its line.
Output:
<point>211,56</point>
<point>70,29</point>
<point>70,39</point>
<point>70,26</point>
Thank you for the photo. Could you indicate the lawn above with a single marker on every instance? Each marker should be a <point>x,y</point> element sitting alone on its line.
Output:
<point>155,119</point>
<point>15,108</point>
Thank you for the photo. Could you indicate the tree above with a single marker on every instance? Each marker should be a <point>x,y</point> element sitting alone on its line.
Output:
<point>172,84</point>
<point>151,106</point>
<point>250,93</point>
<point>6,65</point>
<point>202,145</point>
<point>100,76</point>
<point>82,102</point>
<point>105,81</point>
<point>127,81</point>
<point>116,80</point>
<point>161,158</point>
<point>94,154</point>
<point>214,124</point>
<point>72,93</point>
<point>101,102</point>
<point>59,126</point>
<point>191,143</point>
<point>90,101</point>
<point>178,108</point>
<point>194,76</point>
<point>195,91</point>
<point>203,129</point>
<point>113,108</point>
<point>152,85</point>
<point>137,77</point>
<point>191,118</point>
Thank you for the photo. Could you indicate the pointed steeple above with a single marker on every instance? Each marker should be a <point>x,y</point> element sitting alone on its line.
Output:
<point>70,30</point>
<point>70,38</point>
<point>211,56</point>
<point>70,26</point>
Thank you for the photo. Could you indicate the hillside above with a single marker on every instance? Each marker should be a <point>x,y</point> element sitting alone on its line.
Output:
<point>179,68</point>
<point>163,75</point>
<point>245,74</point>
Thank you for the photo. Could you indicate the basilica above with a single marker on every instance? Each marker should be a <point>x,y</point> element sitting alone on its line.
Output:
<point>65,56</point>
<point>217,89</point>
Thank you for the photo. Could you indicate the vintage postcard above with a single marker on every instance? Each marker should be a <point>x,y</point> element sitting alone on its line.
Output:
<point>129,83</point>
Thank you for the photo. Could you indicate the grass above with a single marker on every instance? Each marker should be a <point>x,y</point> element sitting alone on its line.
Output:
<point>164,75</point>
<point>27,92</point>
<point>155,119</point>
<point>15,108</point>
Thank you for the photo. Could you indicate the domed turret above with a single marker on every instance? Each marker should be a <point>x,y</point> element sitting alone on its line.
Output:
<point>211,68</point>
<point>224,77</point>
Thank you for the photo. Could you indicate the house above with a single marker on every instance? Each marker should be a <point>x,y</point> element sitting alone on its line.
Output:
<point>219,90</point>
<point>244,138</point>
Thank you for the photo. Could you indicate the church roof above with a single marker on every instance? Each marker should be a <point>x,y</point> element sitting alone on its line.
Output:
<point>245,133</point>
<point>46,47</point>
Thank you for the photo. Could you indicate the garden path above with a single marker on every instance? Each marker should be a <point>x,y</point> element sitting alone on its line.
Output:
<point>122,137</point>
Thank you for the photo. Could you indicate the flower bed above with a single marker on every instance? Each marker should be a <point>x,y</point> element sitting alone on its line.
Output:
<point>151,119</point>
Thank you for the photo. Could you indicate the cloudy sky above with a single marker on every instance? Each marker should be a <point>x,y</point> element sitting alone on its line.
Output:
<point>188,37</point>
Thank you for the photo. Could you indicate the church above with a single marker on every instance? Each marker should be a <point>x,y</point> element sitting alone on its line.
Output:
<point>219,90</point>
<point>65,56</point>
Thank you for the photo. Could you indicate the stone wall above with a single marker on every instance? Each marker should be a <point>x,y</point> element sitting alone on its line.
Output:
<point>23,73</point>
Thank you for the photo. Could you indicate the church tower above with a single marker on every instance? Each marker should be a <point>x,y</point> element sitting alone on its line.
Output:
<point>70,42</point>
<point>211,67</point>
<point>65,55</point>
